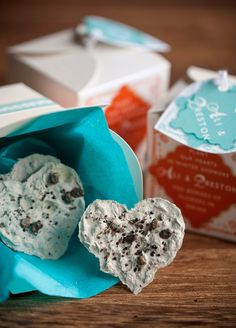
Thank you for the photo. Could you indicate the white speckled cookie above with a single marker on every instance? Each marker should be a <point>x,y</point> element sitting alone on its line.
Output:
<point>132,245</point>
<point>40,211</point>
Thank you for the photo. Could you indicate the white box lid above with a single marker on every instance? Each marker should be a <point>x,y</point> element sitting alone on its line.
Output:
<point>59,57</point>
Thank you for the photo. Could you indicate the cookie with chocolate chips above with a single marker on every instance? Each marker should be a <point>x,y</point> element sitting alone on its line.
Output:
<point>35,216</point>
<point>132,245</point>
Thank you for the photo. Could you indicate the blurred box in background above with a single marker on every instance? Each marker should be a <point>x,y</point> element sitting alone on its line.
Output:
<point>128,81</point>
<point>201,184</point>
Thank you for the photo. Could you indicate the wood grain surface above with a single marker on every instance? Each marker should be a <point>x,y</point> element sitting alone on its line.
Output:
<point>199,287</point>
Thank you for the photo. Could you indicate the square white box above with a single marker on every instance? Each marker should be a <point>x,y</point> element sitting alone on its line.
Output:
<point>61,69</point>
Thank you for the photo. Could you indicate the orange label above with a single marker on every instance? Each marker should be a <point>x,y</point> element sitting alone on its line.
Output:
<point>200,184</point>
<point>127,116</point>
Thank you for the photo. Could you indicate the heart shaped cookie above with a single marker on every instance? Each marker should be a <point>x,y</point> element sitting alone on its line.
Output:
<point>41,202</point>
<point>132,245</point>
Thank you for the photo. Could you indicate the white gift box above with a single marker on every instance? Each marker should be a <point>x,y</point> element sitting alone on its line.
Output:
<point>173,169</point>
<point>28,118</point>
<point>68,73</point>
<point>19,103</point>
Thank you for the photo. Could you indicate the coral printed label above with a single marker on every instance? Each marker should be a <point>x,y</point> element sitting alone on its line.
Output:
<point>199,183</point>
<point>127,116</point>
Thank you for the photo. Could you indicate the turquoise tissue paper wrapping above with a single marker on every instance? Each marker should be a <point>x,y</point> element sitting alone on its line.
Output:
<point>81,139</point>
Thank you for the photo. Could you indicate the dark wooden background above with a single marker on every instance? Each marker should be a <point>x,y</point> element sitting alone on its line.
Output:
<point>199,288</point>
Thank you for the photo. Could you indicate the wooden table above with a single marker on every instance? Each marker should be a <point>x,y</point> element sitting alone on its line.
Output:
<point>199,288</point>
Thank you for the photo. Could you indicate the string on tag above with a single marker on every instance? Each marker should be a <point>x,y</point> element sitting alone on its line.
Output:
<point>222,81</point>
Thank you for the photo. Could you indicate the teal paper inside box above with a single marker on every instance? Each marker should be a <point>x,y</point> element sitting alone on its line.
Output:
<point>108,169</point>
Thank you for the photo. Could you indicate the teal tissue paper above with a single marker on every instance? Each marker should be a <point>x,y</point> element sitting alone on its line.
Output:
<point>6,271</point>
<point>81,139</point>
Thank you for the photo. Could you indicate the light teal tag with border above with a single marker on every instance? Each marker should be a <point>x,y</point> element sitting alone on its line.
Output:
<point>203,116</point>
<point>115,33</point>
<point>209,114</point>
